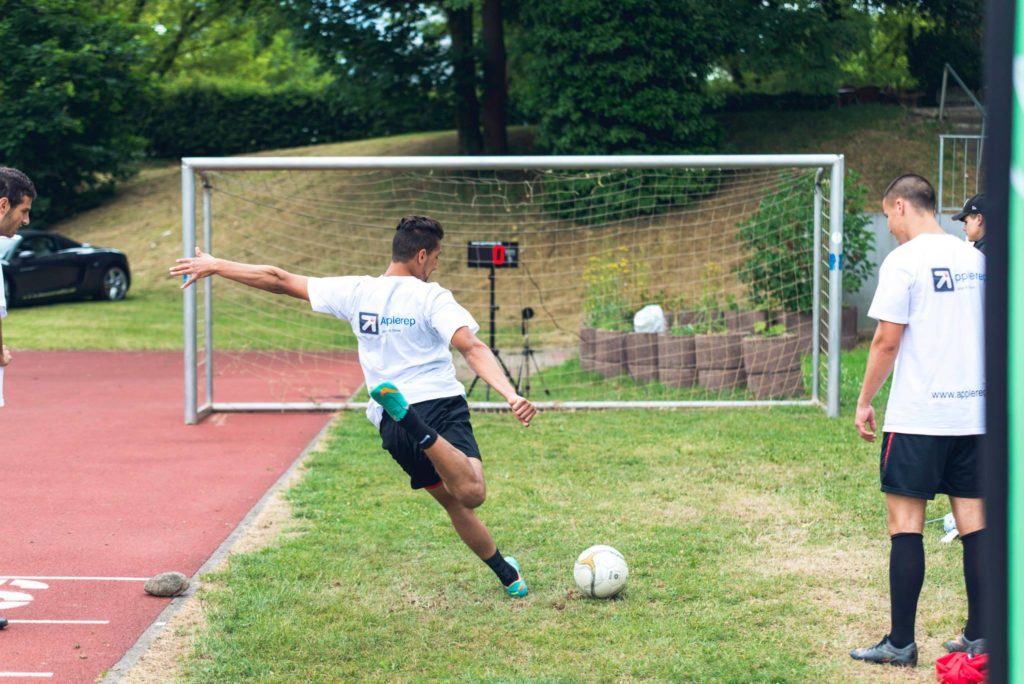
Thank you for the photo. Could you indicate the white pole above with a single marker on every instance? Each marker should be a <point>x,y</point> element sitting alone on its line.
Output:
<point>835,284</point>
<point>208,288</point>
<point>736,161</point>
<point>188,243</point>
<point>816,290</point>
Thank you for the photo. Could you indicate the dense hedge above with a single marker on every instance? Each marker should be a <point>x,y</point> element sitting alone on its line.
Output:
<point>204,121</point>
<point>757,102</point>
<point>610,78</point>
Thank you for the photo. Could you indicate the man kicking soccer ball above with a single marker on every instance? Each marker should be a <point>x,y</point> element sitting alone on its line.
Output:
<point>404,326</point>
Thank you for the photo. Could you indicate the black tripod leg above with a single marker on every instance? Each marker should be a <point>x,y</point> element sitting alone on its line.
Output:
<point>539,375</point>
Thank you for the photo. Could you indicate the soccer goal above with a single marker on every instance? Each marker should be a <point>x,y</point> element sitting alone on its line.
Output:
<point>601,282</point>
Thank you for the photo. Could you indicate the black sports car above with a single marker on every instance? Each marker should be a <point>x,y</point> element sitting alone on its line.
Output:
<point>39,266</point>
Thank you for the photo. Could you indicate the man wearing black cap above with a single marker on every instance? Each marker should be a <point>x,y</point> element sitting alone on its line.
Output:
<point>973,216</point>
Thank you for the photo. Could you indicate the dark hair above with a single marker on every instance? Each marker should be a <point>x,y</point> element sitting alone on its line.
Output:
<point>413,234</point>
<point>913,188</point>
<point>14,185</point>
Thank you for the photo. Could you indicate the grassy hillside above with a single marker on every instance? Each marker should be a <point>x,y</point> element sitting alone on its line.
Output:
<point>143,219</point>
<point>879,142</point>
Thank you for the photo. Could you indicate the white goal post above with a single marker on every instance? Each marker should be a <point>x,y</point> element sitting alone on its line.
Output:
<point>599,237</point>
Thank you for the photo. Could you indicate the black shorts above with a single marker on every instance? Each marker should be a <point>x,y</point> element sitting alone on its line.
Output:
<point>450,417</point>
<point>925,465</point>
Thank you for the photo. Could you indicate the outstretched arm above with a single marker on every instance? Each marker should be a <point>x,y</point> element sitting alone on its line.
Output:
<point>269,278</point>
<point>479,357</point>
<point>881,359</point>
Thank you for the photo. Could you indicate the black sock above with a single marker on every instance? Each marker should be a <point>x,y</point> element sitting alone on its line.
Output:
<point>974,577</point>
<point>906,576</point>
<point>505,572</point>
<point>424,435</point>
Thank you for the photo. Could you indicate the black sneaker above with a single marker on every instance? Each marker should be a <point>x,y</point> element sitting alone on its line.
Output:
<point>885,652</point>
<point>3,622</point>
<point>964,645</point>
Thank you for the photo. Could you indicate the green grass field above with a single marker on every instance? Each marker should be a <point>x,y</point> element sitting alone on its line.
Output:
<point>756,538</point>
<point>756,542</point>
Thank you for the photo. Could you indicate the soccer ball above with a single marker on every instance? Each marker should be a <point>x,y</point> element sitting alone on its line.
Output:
<point>600,571</point>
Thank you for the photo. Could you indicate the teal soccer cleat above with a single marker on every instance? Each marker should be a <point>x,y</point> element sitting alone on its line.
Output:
<point>388,396</point>
<point>518,588</point>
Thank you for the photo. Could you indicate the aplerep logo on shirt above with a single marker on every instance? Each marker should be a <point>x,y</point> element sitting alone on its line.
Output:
<point>371,323</point>
<point>942,279</point>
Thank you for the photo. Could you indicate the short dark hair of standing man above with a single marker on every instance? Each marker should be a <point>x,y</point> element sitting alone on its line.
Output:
<point>14,185</point>
<point>415,233</point>
<point>913,188</point>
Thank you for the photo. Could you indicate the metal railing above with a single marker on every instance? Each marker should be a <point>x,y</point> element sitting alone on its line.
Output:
<point>960,168</point>
<point>960,155</point>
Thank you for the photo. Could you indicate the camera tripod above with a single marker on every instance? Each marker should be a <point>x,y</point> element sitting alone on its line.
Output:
<point>523,377</point>
<point>494,350</point>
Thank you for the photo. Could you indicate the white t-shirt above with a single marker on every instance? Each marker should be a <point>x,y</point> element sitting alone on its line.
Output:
<point>935,285</point>
<point>3,314</point>
<point>404,327</point>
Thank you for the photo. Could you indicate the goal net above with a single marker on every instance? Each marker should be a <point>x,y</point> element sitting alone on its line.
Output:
<point>601,282</point>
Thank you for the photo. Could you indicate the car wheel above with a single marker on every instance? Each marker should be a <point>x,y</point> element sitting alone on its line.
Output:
<point>114,285</point>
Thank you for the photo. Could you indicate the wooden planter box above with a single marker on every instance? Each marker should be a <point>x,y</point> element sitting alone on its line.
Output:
<point>588,345</point>
<point>718,352</point>
<point>848,340</point>
<point>771,354</point>
<point>776,385</point>
<point>677,361</point>
<point>716,380</point>
<point>743,321</point>
<point>719,360</point>
<point>642,355</point>
<point>610,353</point>
<point>799,324</point>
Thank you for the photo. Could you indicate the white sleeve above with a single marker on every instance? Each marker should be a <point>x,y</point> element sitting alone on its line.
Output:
<point>3,298</point>
<point>333,295</point>
<point>892,297</point>
<point>446,316</point>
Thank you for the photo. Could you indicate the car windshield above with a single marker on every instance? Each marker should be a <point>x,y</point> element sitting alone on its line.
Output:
<point>8,245</point>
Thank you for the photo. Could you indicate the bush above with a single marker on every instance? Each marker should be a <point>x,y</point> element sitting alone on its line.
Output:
<point>619,78</point>
<point>606,196</point>
<point>68,83</point>
<point>202,120</point>
<point>779,258</point>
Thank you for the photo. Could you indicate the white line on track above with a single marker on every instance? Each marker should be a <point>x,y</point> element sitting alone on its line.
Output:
<point>59,622</point>
<point>26,674</point>
<point>84,579</point>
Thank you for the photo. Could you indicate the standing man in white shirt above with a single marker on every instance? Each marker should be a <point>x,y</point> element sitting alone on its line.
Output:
<point>16,195</point>
<point>929,306</point>
<point>404,326</point>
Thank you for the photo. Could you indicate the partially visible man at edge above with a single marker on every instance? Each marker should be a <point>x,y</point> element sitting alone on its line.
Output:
<point>16,195</point>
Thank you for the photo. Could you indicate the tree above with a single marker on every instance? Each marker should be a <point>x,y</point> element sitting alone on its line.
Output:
<point>411,63</point>
<point>777,46</point>
<point>387,56</point>
<point>495,80</point>
<point>622,77</point>
<point>65,100</point>
<point>951,32</point>
<point>467,107</point>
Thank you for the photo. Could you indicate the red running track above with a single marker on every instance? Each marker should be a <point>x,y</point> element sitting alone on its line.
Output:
<point>102,485</point>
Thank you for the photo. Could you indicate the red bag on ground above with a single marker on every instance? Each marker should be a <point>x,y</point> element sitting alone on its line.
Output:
<point>960,668</point>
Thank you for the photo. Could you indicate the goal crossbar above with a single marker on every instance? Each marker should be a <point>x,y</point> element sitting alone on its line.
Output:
<point>830,166</point>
